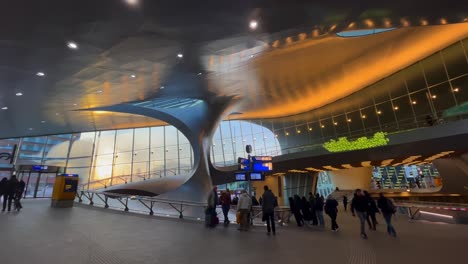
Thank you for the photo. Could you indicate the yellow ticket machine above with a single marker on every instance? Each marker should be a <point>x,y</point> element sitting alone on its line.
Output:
<point>64,192</point>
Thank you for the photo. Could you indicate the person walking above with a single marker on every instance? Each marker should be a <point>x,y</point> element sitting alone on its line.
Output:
<point>388,209</point>
<point>243,207</point>
<point>319,209</point>
<point>212,201</point>
<point>313,214</point>
<point>268,209</point>
<point>19,194</point>
<point>371,211</point>
<point>295,211</point>
<point>345,203</point>
<point>305,209</point>
<point>9,193</point>
<point>359,206</point>
<point>331,209</point>
<point>3,186</point>
<point>226,205</point>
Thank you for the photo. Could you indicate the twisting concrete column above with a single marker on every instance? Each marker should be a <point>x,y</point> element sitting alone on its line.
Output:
<point>197,123</point>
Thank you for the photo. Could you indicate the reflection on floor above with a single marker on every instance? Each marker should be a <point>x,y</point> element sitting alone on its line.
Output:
<point>40,234</point>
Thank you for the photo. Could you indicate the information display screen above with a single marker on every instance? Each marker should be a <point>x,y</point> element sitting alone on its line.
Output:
<point>240,177</point>
<point>262,166</point>
<point>257,176</point>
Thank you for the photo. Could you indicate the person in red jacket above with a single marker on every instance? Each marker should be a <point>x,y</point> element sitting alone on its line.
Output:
<point>226,205</point>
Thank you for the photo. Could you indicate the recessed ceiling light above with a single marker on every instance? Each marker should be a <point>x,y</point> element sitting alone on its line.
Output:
<point>42,121</point>
<point>434,96</point>
<point>162,87</point>
<point>322,126</point>
<point>414,102</point>
<point>363,116</point>
<point>310,129</point>
<point>75,104</point>
<point>132,2</point>
<point>379,112</point>
<point>396,108</point>
<point>41,74</point>
<point>133,76</point>
<point>99,91</point>
<point>335,123</point>
<point>180,55</point>
<point>298,131</point>
<point>199,74</point>
<point>253,24</point>
<point>349,120</point>
<point>30,128</point>
<point>72,45</point>
<point>251,56</point>
<point>19,94</point>
<point>456,90</point>
<point>5,108</point>
<point>57,114</point>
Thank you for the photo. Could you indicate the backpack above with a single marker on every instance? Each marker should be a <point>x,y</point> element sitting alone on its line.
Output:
<point>391,207</point>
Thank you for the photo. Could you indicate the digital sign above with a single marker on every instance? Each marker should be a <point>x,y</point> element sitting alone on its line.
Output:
<point>39,167</point>
<point>262,166</point>
<point>243,167</point>
<point>257,176</point>
<point>240,177</point>
<point>261,158</point>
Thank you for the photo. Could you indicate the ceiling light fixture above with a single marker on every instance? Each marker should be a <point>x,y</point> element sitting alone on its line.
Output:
<point>30,128</point>
<point>74,104</point>
<point>72,45</point>
<point>287,133</point>
<point>310,129</point>
<point>132,2</point>
<point>180,55</point>
<point>41,74</point>
<point>456,90</point>
<point>349,120</point>
<point>322,126</point>
<point>199,74</point>
<point>379,112</point>
<point>253,24</point>
<point>434,96</point>
<point>133,76</point>
<point>5,108</point>
<point>414,102</point>
<point>335,123</point>
<point>42,121</point>
<point>162,87</point>
<point>363,116</point>
<point>298,131</point>
<point>99,91</point>
<point>396,108</point>
<point>19,94</point>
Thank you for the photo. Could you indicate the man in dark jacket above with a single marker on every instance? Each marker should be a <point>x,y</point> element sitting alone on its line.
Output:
<point>19,194</point>
<point>226,205</point>
<point>388,209</point>
<point>360,206</point>
<point>10,191</point>
<point>331,209</point>
<point>268,209</point>
<point>319,209</point>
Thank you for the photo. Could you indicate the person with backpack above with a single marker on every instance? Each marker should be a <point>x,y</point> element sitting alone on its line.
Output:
<point>331,209</point>
<point>387,208</point>
<point>360,206</point>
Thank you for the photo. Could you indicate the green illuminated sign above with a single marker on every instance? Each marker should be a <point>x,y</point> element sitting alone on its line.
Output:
<point>343,144</point>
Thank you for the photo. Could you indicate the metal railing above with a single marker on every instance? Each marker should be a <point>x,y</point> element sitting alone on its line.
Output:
<point>166,207</point>
<point>414,207</point>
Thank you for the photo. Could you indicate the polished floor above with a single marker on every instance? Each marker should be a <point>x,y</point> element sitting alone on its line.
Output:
<point>83,234</point>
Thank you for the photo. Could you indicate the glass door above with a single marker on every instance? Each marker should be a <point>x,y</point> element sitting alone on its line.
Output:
<point>45,185</point>
<point>31,179</point>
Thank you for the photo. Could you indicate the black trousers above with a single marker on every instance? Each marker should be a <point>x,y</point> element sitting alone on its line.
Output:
<point>371,220</point>
<point>9,198</point>
<point>270,220</point>
<point>333,216</point>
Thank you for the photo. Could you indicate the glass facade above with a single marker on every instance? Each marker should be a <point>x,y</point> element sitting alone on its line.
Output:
<point>405,100</point>
<point>231,137</point>
<point>105,158</point>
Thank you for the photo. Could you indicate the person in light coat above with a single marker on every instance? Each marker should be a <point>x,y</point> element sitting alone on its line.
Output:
<point>243,207</point>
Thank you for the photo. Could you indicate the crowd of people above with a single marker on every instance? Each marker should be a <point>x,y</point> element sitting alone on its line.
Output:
<point>305,211</point>
<point>11,190</point>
